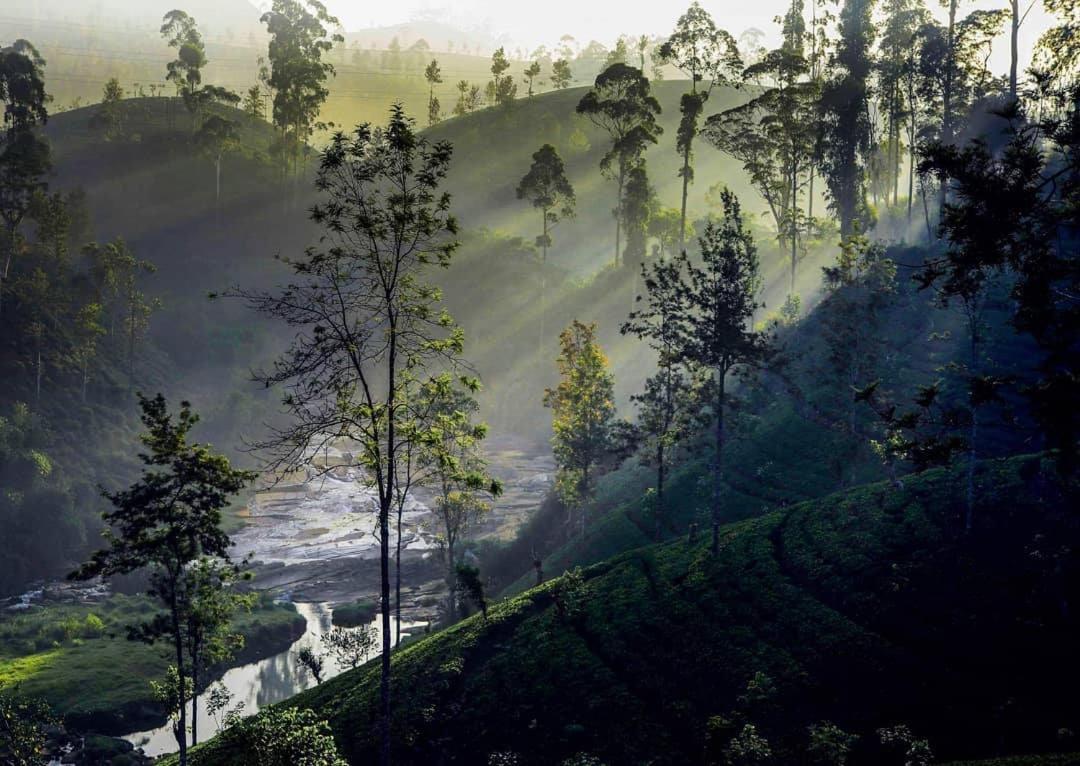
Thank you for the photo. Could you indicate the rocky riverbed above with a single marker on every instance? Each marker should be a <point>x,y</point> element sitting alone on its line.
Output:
<point>311,536</point>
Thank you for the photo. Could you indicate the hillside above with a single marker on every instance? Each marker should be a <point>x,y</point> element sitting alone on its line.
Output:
<point>866,608</point>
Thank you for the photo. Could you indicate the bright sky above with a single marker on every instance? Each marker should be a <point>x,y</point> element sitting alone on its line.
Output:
<point>530,24</point>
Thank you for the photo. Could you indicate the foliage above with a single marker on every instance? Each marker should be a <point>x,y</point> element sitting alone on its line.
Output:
<point>350,647</point>
<point>22,728</point>
<point>289,737</point>
<point>583,409</point>
<point>621,104</point>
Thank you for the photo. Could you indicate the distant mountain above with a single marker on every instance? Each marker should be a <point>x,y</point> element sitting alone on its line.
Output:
<point>218,18</point>
<point>439,36</point>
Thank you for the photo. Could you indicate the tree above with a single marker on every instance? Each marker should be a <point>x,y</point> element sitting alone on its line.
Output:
<point>709,56</point>
<point>366,322</point>
<point>253,103</point>
<point>283,737</point>
<point>185,71</point>
<point>24,155</point>
<point>561,76</point>
<point>312,663</point>
<point>164,523</point>
<point>297,76</point>
<point>621,104</point>
<point>125,271</point>
<point>548,189</point>
<point>87,331</point>
<point>718,300</point>
<point>23,722</point>
<point>212,601</point>
<point>217,137</point>
<point>433,75</point>
<point>636,208</point>
<point>501,89</point>
<point>666,405</point>
<point>350,647</point>
<point>769,136</point>
<point>109,116</point>
<point>531,73</point>
<point>454,466</point>
<point>897,65</point>
<point>846,123</point>
<point>829,744</point>
<point>583,410</point>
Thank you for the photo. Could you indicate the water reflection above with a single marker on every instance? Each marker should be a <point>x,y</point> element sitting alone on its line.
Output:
<point>263,683</point>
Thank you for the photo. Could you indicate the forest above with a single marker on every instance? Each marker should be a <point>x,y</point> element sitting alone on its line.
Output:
<point>438,393</point>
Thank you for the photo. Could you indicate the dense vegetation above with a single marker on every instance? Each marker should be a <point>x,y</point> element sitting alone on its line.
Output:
<point>750,594</point>
<point>865,609</point>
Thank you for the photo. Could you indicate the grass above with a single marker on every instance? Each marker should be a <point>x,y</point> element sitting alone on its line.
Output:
<point>867,608</point>
<point>97,678</point>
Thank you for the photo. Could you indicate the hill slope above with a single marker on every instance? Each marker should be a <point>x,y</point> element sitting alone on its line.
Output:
<point>866,608</point>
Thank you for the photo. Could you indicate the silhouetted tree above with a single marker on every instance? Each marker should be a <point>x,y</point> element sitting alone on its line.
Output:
<point>621,104</point>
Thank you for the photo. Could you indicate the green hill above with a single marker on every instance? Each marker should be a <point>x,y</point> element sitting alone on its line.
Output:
<point>866,608</point>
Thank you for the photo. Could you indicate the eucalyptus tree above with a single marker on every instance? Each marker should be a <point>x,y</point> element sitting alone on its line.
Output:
<point>297,75</point>
<point>896,65</point>
<point>772,134</point>
<point>433,76</point>
<point>185,71</point>
<point>24,155</point>
<point>709,56</point>
<point>622,105</point>
<point>547,189</point>
<point>846,117</point>
<point>366,321</point>
<point>165,523</point>
<point>717,300</point>
<point>217,137</point>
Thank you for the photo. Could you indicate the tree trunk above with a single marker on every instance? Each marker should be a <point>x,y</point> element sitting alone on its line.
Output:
<point>969,494</point>
<point>718,468</point>
<point>1014,47</point>
<point>685,193</point>
<point>397,579</point>
<point>451,579</point>
<point>9,256</point>
<point>543,284</point>
<point>217,184</point>
<point>178,644</point>
<point>794,208</point>
<point>194,700</point>
<point>85,375</point>
<point>659,487</point>
<point>911,179</point>
<point>384,552</point>
<point>37,387</point>
<point>947,97</point>
<point>618,213</point>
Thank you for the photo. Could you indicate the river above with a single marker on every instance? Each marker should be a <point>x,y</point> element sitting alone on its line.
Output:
<point>265,682</point>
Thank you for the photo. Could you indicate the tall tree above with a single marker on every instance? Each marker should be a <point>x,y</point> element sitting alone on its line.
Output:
<point>583,411</point>
<point>433,75</point>
<point>455,467</point>
<point>709,56</point>
<point>185,71</point>
<point>366,321</point>
<point>769,134</point>
<point>299,38</point>
<point>531,73</point>
<point>561,76</point>
<point>216,138</point>
<point>635,209</point>
<point>719,299</point>
<point>846,115</point>
<point>501,88</point>
<point>666,403</point>
<point>621,104</point>
<point>548,189</point>
<point>24,155</point>
<point>896,66</point>
<point>165,522</point>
